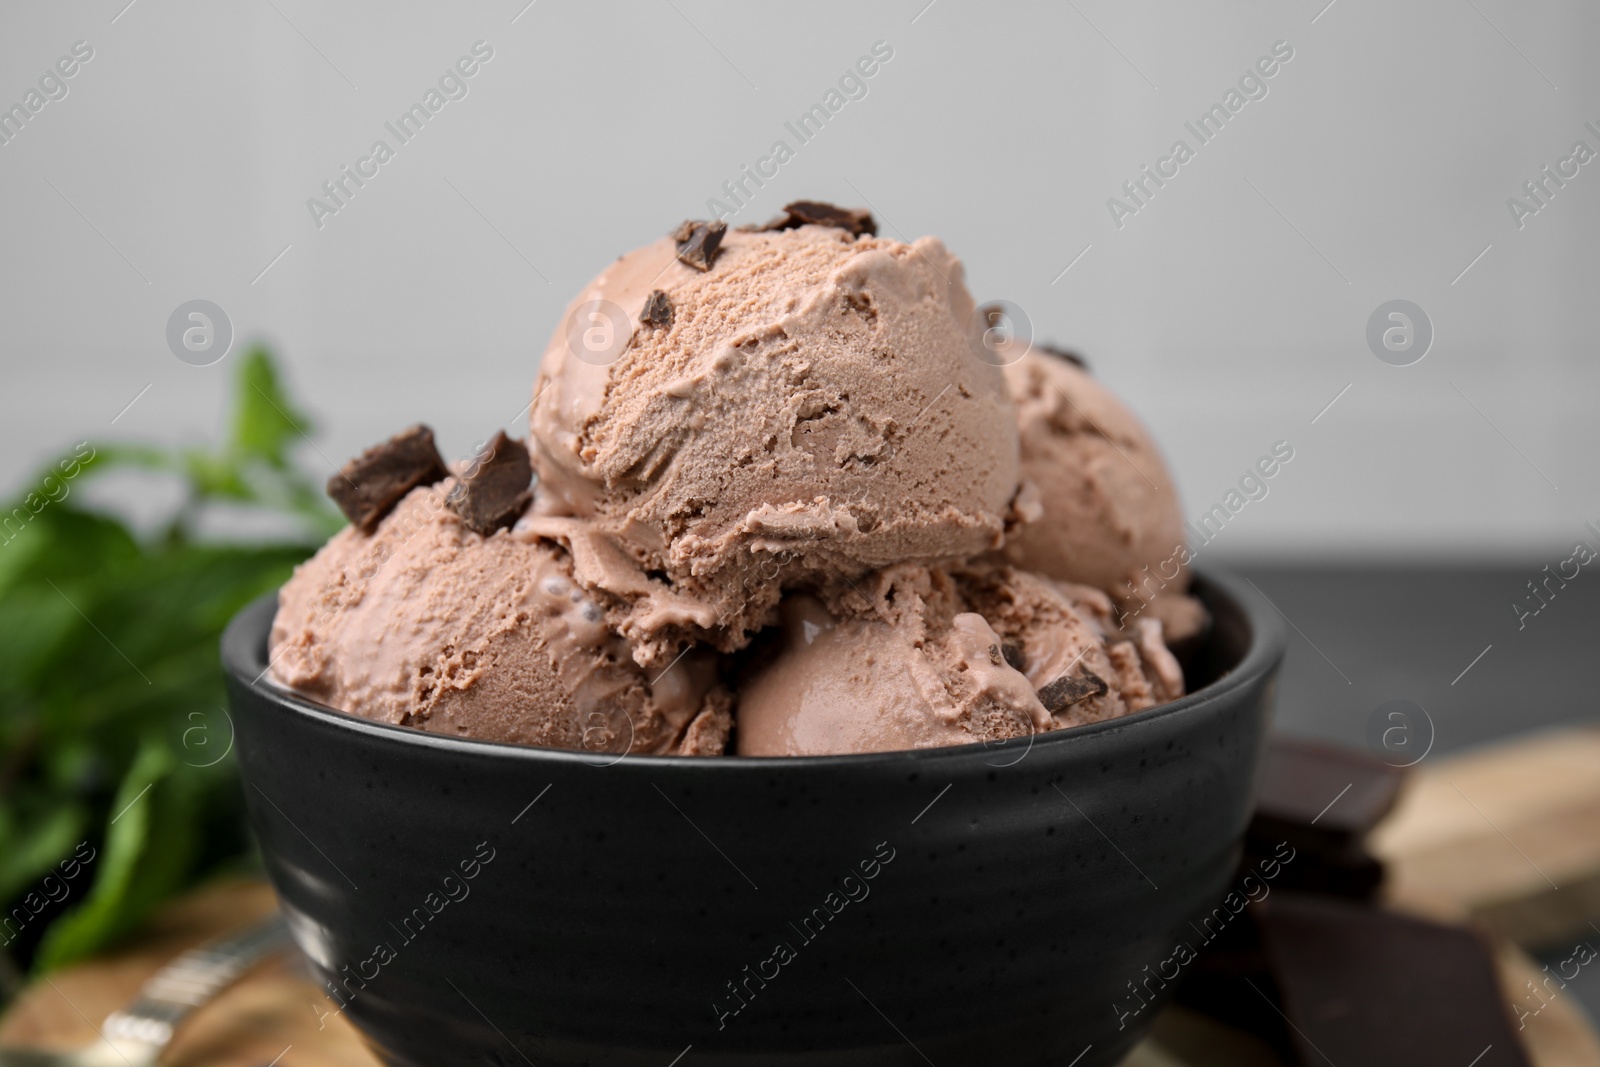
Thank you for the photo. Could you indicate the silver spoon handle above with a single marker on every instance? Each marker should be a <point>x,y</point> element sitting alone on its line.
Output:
<point>191,980</point>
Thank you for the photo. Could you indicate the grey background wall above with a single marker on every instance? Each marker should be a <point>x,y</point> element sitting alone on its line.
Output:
<point>1231,308</point>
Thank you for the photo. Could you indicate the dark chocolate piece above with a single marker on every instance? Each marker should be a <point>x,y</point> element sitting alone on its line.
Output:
<point>495,490</point>
<point>994,316</point>
<point>854,221</point>
<point>698,242</point>
<point>1322,798</point>
<point>1229,960</point>
<point>1299,844</point>
<point>657,310</point>
<point>1014,656</point>
<point>1062,353</point>
<point>1351,872</point>
<point>1067,690</point>
<point>369,486</point>
<point>1362,986</point>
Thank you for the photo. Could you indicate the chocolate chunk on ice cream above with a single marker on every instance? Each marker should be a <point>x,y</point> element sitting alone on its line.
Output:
<point>698,243</point>
<point>854,221</point>
<point>493,491</point>
<point>1068,689</point>
<point>1062,353</point>
<point>657,310</point>
<point>375,481</point>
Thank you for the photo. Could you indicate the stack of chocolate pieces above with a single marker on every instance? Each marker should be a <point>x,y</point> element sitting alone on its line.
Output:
<point>492,489</point>
<point>1316,968</point>
<point>1323,801</point>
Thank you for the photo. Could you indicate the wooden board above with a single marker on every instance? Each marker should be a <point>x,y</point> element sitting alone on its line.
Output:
<point>1508,837</point>
<point>268,1017</point>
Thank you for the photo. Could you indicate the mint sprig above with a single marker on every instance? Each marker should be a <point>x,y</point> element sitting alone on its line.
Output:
<point>112,715</point>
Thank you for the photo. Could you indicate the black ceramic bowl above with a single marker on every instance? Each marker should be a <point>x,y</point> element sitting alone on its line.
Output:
<point>477,903</point>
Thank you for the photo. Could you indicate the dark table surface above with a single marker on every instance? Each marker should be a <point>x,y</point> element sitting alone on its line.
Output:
<point>1445,638</point>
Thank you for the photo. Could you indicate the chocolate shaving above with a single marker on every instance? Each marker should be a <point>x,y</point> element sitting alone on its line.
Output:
<point>698,242</point>
<point>994,316</point>
<point>494,492</point>
<point>1013,655</point>
<point>854,221</point>
<point>369,486</point>
<point>1066,691</point>
<point>1062,353</point>
<point>657,310</point>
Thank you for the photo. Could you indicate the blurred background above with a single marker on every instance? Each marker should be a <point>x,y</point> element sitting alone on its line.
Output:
<point>1425,152</point>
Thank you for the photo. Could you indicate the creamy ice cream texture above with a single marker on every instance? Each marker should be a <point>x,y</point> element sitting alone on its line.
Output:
<point>426,623</point>
<point>815,409</point>
<point>1105,510</point>
<point>941,657</point>
<point>796,436</point>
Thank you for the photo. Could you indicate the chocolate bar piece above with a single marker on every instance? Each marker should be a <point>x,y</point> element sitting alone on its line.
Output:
<point>1323,801</point>
<point>369,486</point>
<point>1353,872</point>
<point>1322,798</point>
<point>1220,979</point>
<point>494,492</point>
<point>1360,986</point>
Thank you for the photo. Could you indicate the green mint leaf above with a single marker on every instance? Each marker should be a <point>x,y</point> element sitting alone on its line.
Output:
<point>266,423</point>
<point>30,847</point>
<point>149,847</point>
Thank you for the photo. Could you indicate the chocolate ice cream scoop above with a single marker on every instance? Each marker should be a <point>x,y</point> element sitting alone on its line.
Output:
<point>816,407</point>
<point>726,419</point>
<point>1106,513</point>
<point>427,623</point>
<point>914,657</point>
<point>1085,667</point>
<point>912,674</point>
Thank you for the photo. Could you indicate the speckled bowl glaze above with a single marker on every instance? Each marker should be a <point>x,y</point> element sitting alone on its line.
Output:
<point>475,903</point>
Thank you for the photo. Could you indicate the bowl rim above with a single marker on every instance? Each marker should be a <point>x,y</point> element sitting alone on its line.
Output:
<point>243,642</point>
